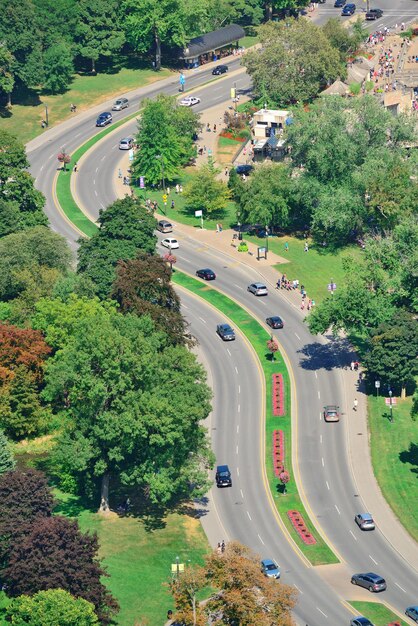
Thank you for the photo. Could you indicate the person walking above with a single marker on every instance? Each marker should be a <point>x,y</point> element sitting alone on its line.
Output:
<point>279,283</point>
<point>286,247</point>
<point>306,248</point>
<point>355,404</point>
<point>119,173</point>
<point>172,204</point>
<point>75,168</point>
<point>177,188</point>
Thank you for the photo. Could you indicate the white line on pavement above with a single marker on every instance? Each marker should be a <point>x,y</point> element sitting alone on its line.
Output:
<point>102,205</point>
<point>260,539</point>
<point>239,286</point>
<point>320,438</point>
<point>316,375</point>
<point>320,416</point>
<point>94,181</point>
<point>95,191</point>
<point>202,320</point>
<point>375,562</point>
<point>237,450</point>
<point>297,336</point>
<point>400,587</point>
<point>183,258</point>
<point>326,482</point>
<point>103,158</point>
<point>97,169</point>
<point>353,535</point>
<point>318,609</point>
<point>242,494</point>
<point>239,408</point>
<point>249,516</point>
<point>337,509</point>
<point>296,587</point>
<point>184,306</point>
<point>229,352</point>
<point>323,462</point>
<point>319,395</point>
<point>237,429</point>
<point>236,369</point>
<point>239,388</point>
<point>42,167</point>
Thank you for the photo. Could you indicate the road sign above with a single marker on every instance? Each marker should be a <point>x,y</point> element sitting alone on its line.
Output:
<point>165,197</point>
<point>332,286</point>
<point>377,384</point>
<point>388,401</point>
<point>233,92</point>
<point>198,213</point>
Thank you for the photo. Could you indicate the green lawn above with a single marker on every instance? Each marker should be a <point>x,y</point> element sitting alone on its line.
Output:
<point>397,444</point>
<point>24,119</point>
<point>379,614</point>
<point>319,553</point>
<point>314,268</point>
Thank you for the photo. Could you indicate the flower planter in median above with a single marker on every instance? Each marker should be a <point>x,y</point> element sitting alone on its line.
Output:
<point>278,395</point>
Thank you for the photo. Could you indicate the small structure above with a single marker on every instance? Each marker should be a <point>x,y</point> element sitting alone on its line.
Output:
<point>338,88</point>
<point>268,122</point>
<point>397,102</point>
<point>212,46</point>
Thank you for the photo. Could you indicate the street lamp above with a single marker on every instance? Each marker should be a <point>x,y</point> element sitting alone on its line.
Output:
<point>239,226</point>
<point>390,405</point>
<point>46,115</point>
<point>158,156</point>
<point>177,566</point>
<point>267,238</point>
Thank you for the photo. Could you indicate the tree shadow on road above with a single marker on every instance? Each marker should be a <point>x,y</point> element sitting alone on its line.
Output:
<point>334,354</point>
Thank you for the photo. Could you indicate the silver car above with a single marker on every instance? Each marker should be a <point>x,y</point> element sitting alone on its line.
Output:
<point>364,521</point>
<point>126,144</point>
<point>370,581</point>
<point>120,103</point>
<point>258,289</point>
<point>270,568</point>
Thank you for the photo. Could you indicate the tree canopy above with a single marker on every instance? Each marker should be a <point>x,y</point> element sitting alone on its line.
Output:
<point>49,608</point>
<point>7,460</point>
<point>206,192</point>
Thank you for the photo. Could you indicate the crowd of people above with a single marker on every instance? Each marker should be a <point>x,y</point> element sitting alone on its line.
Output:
<point>292,285</point>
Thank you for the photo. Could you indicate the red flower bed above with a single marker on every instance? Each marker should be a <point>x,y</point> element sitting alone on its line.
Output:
<point>278,394</point>
<point>278,451</point>
<point>300,527</point>
<point>228,135</point>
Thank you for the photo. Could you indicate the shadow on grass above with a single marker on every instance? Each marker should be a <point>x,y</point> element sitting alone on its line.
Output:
<point>410,456</point>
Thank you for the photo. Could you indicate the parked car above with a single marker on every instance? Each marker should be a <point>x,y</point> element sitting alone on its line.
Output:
<point>275,322</point>
<point>219,69</point>
<point>171,243</point>
<point>258,289</point>
<point>225,332</point>
<point>361,621</point>
<point>244,169</point>
<point>223,476</point>
<point>104,119</point>
<point>331,413</point>
<point>165,227</point>
<point>126,144</point>
<point>189,101</point>
<point>349,9</point>
<point>339,3</point>
<point>206,274</point>
<point>374,14</point>
<point>412,612</point>
<point>364,521</point>
<point>120,103</point>
<point>370,581</point>
<point>270,568</point>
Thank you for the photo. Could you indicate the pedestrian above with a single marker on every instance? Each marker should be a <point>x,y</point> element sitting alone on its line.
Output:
<point>219,548</point>
<point>355,404</point>
<point>75,168</point>
<point>168,191</point>
<point>312,303</point>
<point>223,546</point>
<point>306,247</point>
<point>181,189</point>
<point>208,127</point>
<point>279,283</point>
<point>172,204</point>
<point>309,305</point>
<point>217,228</point>
<point>119,173</point>
<point>214,128</point>
<point>352,366</point>
<point>356,365</point>
<point>226,171</point>
<point>302,306</point>
<point>220,228</point>
<point>286,247</point>
<point>177,188</point>
<point>169,614</point>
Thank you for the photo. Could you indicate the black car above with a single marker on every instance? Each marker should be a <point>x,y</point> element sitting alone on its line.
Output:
<point>104,119</point>
<point>374,14</point>
<point>206,274</point>
<point>220,69</point>
<point>274,322</point>
<point>339,3</point>
<point>244,169</point>
<point>225,332</point>
<point>223,476</point>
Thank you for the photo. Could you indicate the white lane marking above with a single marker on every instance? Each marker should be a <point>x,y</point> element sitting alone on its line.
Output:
<point>77,135</point>
<point>297,336</point>
<point>103,158</point>
<point>202,320</point>
<point>260,539</point>
<point>320,439</point>
<point>296,587</point>
<point>353,535</point>
<point>239,286</point>
<point>319,395</point>
<point>375,562</point>
<point>114,147</point>
<point>326,482</point>
<point>401,588</point>
<point>102,205</point>
<point>242,494</point>
<point>41,168</point>
<point>249,516</point>
<point>184,306</point>
<point>318,609</point>
<point>236,369</point>
<point>238,471</point>
<point>320,416</point>
<point>183,258</point>
<point>49,158</point>
<point>323,463</point>
<point>239,388</point>
<point>337,509</point>
<point>237,429</point>
<point>96,192</point>
<point>94,181</point>
<point>239,408</point>
<point>229,352</point>
<point>316,375</point>
<point>262,302</point>
<point>97,169</point>
<point>237,450</point>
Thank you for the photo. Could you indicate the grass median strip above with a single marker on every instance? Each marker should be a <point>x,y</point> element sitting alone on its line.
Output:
<point>377,613</point>
<point>318,553</point>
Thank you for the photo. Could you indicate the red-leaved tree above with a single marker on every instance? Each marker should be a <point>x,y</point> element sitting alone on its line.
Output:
<point>22,347</point>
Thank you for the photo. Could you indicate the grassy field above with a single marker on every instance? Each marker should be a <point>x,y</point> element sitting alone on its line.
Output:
<point>397,444</point>
<point>378,613</point>
<point>24,119</point>
<point>226,150</point>
<point>319,553</point>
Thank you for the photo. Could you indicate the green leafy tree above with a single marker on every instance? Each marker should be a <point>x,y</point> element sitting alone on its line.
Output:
<point>58,64</point>
<point>7,80</point>
<point>131,408</point>
<point>295,62</point>
<point>7,460</point>
<point>149,25</point>
<point>360,32</point>
<point>58,20</point>
<point>21,412</point>
<point>98,32</point>
<point>10,218</point>
<point>49,608</point>
<point>126,228</point>
<point>206,192</point>
<point>339,37</point>
<point>338,215</point>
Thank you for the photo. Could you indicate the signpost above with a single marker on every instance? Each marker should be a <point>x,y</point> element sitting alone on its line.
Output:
<point>377,385</point>
<point>199,214</point>
<point>331,287</point>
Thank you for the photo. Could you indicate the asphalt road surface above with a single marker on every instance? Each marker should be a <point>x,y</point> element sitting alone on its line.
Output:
<point>394,12</point>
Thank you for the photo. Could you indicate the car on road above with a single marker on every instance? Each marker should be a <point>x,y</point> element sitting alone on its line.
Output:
<point>189,101</point>
<point>270,568</point>
<point>225,332</point>
<point>219,69</point>
<point>126,143</point>
<point>258,289</point>
<point>223,476</point>
<point>339,3</point>
<point>365,521</point>
<point>206,274</point>
<point>171,243</point>
<point>331,413</point>
<point>165,227</point>
<point>120,103</point>
<point>370,581</point>
<point>361,621</point>
<point>374,14</point>
<point>274,322</point>
<point>412,612</point>
<point>244,169</point>
<point>104,119</point>
<point>349,9</point>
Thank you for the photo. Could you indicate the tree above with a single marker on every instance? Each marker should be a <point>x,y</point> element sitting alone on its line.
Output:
<point>54,554</point>
<point>339,38</point>
<point>64,158</point>
<point>206,192</point>
<point>393,348</point>
<point>22,347</point>
<point>58,64</point>
<point>125,228</point>
<point>131,407</point>
<point>272,347</point>
<point>98,32</point>
<point>150,24</point>
<point>295,62</point>
<point>284,479</point>
<point>338,216</point>
<point>12,155</point>
<point>7,460</point>
<point>185,589</point>
<point>7,80</point>
<point>10,218</point>
<point>21,412</point>
<point>143,287</point>
<point>49,608</point>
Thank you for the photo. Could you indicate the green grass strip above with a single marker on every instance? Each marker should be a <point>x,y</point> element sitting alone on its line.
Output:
<point>319,553</point>
<point>377,613</point>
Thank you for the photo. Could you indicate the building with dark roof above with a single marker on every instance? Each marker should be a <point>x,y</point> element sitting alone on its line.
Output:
<point>212,46</point>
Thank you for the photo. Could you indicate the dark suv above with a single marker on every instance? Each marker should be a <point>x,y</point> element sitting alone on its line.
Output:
<point>220,69</point>
<point>225,332</point>
<point>223,476</point>
<point>104,119</point>
<point>339,3</point>
<point>374,14</point>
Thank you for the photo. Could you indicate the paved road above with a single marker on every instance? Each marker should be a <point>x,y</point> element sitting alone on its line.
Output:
<point>395,12</point>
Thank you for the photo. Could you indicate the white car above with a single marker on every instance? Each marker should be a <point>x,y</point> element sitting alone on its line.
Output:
<point>170,243</point>
<point>126,144</point>
<point>258,289</point>
<point>189,101</point>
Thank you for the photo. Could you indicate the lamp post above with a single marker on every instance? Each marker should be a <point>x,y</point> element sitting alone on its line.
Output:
<point>239,225</point>
<point>160,158</point>
<point>177,566</point>
<point>267,238</point>
<point>46,115</point>
<point>390,405</point>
